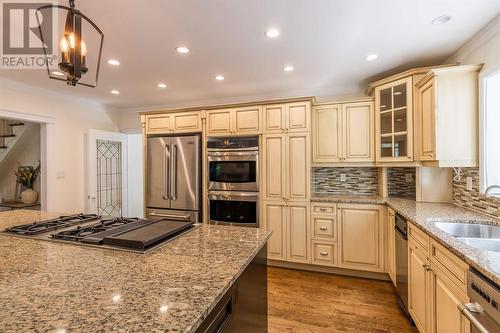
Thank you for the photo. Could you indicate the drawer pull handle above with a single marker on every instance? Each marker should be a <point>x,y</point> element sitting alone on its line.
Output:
<point>323,228</point>
<point>323,209</point>
<point>324,253</point>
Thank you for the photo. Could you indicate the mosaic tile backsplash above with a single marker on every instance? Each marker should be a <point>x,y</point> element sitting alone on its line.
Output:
<point>473,199</point>
<point>401,182</point>
<point>359,181</point>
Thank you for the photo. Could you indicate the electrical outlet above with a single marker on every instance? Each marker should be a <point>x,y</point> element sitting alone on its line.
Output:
<point>469,183</point>
<point>409,178</point>
<point>60,175</point>
<point>343,177</point>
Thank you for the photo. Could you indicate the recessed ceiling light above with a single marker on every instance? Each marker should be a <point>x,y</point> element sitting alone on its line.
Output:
<point>441,19</point>
<point>162,85</point>
<point>182,49</point>
<point>288,68</point>
<point>272,33</point>
<point>115,92</point>
<point>114,62</point>
<point>58,73</point>
<point>371,57</point>
<point>219,77</point>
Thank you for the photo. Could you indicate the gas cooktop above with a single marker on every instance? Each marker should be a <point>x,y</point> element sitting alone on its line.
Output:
<point>130,234</point>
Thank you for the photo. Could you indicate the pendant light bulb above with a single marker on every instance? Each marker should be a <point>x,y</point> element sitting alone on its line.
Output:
<point>72,40</point>
<point>63,45</point>
<point>83,48</point>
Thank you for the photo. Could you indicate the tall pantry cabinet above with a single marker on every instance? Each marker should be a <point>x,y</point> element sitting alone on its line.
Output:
<point>285,190</point>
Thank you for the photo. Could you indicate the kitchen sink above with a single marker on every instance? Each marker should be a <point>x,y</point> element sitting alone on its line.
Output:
<point>481,236</point>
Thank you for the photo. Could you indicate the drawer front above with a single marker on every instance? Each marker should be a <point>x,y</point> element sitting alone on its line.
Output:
<point>454,267</point>
<point>418,236</point>
<point>324,227</point>
<point>323,254</point>
<point>323,208</point>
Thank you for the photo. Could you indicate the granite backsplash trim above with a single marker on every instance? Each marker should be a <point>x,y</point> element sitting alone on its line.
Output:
<point>359,181</point>
<point>473,199</point>
<point>397,184</point>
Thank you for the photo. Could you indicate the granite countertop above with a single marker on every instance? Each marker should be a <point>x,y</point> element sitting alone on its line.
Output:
<point>339,198</point>
<point>54,287</point>
<point>425,215</point>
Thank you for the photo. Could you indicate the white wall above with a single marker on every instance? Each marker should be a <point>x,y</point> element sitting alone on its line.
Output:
<point>135,184</point>
<point>73,117</point>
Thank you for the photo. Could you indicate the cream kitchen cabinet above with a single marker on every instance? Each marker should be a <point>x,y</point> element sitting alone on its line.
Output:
<point>343,133</point>
<point>391,244</point>
<point>236,121</point>
<point>291,117</point>
<point>394,121</point>
<point>289,222</point>
<point>324,233</point>
<point>178,122</point>
<point>361,237</point>
<point>286,166</point>
<point>447,117</point>
<point>436,285</point>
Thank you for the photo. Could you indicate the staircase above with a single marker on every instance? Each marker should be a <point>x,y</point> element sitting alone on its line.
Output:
<point>10,132</point>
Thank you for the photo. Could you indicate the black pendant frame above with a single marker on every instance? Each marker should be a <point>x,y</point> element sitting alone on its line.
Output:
<point>76,58</point>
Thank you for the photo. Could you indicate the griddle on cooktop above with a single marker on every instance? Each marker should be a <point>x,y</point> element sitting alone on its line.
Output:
<point>146,235</point>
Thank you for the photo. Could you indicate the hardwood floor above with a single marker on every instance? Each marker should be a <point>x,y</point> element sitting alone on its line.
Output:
<point>302,301</point>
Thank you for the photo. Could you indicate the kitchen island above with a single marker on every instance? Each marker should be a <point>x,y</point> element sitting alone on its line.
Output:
<point>177,287</point>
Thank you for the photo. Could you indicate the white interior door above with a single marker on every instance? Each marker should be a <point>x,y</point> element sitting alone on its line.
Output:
<point>107,173</point>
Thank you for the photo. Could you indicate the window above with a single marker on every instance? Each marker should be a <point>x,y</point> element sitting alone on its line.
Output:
<point>490,132</point>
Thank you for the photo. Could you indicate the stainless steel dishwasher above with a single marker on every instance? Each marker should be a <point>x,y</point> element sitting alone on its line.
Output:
<point>402,261</point>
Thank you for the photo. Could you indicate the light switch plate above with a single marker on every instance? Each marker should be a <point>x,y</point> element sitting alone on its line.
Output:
<point>60,175</point>
<point>343,177</point>
<point>469,183</point>
<point>409,178</point>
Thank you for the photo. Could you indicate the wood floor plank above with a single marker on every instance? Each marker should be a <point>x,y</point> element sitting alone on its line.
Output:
<point>309,302</point>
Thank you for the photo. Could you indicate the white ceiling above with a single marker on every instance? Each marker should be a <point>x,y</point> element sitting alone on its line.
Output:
<point>325,40</point>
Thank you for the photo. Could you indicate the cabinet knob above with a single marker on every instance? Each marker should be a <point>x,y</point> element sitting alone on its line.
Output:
<point>323,228</point>
<point>323,253</point>
<point>426,267</point>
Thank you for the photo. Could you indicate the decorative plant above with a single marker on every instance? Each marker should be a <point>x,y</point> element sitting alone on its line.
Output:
<point>27,175</point>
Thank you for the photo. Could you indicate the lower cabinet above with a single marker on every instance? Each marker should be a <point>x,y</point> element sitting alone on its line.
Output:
<point>361,232</point>
<point>391,244</point>
<point>436,286</point>
<point>289,222</point>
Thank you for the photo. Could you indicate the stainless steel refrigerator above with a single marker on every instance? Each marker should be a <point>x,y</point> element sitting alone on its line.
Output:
<point>173,178</point>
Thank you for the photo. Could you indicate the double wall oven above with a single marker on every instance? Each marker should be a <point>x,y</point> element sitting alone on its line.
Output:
<point>233,181</point>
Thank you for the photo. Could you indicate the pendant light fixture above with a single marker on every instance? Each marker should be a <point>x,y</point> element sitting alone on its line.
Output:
<point>72,46</point>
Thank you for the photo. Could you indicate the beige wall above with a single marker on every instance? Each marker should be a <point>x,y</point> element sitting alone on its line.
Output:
<point>73,117</point>
<point>27,152</point>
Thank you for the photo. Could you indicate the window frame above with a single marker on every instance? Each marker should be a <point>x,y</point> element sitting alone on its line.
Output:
<point>483,117</point>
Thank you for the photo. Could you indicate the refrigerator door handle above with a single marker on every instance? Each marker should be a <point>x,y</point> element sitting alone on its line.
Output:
<point>165,173</point>
<point>173,173</point>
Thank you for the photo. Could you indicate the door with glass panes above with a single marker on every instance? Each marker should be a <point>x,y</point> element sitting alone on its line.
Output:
<point>394,121</point>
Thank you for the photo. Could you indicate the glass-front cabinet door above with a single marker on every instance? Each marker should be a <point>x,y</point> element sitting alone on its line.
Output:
<point>393,103</point>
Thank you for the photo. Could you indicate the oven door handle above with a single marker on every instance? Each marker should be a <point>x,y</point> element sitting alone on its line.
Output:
<point>474,321</point>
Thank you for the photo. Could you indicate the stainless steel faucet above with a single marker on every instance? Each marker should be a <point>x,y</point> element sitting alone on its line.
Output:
<point>492,187</point>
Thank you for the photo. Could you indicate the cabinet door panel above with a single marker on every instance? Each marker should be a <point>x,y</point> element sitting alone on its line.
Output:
<point>219,122</point>
<point>360,226</point>
<point>327,133</point>
<point>297,165</point>
<point>358,132</point>
<point>160,124</point>
<point>298,117</point>
<point>248,120</point>
<point>274,219</point>
<point>427,127</point>
<point>298,233</point>
<point>274,118</point>
<point>186,122</point>
<point>274,166</point>
<point>418,287</point>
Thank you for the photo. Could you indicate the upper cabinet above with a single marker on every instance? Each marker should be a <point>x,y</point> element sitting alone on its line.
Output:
<point>177,122</point>
<point>394,121</point>
<point>343,133</point>
<point>291,117</point>
<point>447,117</point>
<point>235,121</point>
